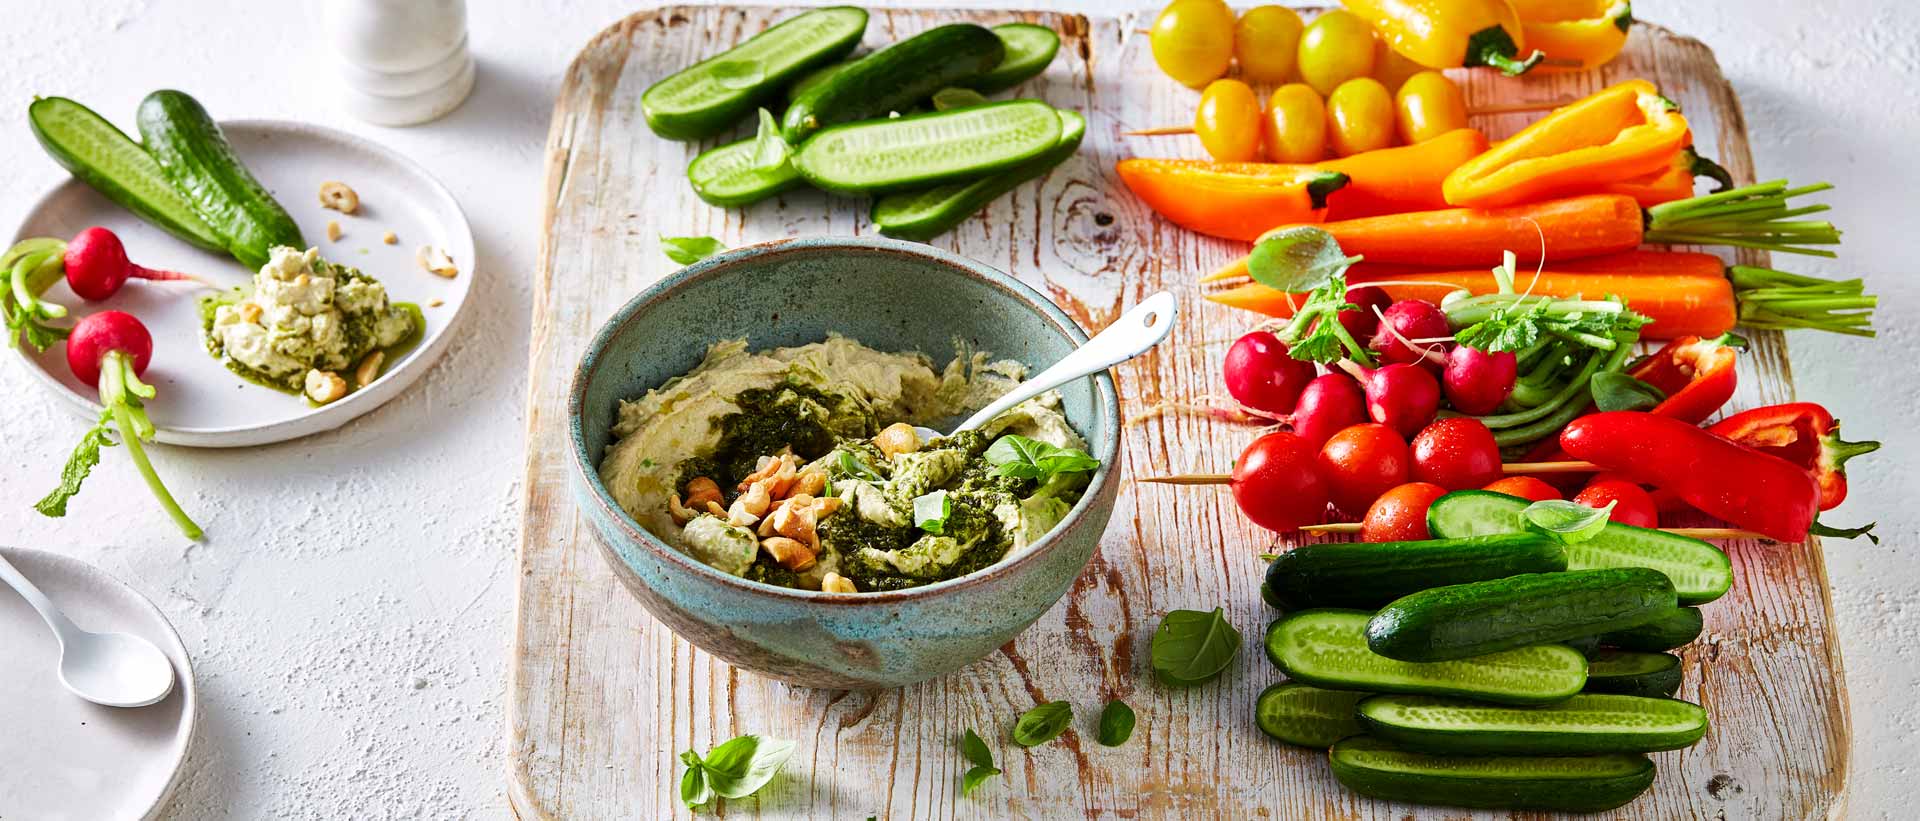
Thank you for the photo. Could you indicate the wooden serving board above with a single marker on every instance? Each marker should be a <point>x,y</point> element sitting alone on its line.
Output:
<point>603,697</point>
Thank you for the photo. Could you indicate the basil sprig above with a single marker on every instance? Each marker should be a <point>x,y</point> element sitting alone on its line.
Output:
<point>1024,458</point>
<point>977,754</point>
<point>735,769</point>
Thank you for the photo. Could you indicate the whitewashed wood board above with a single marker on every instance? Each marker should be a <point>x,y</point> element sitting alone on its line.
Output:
<point>603,697</point>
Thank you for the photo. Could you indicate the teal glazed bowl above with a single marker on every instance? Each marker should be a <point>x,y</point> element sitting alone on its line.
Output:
<point>888,295</point>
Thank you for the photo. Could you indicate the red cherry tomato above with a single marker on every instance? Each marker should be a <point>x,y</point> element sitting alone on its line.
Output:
<point>1400,514</point>
<point>1456,454</point>
<point>1275,483</point>
<point>1525,487</point>
<point>1361,462</point>
<point>1633,505</point>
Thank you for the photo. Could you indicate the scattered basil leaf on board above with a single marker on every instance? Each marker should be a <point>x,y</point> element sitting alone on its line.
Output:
<point>977,754</point>
<point>1116,723</point>
<point>1041,724</point>
<point>1023,458</point>
<point>974,777</point>
<point>737,768</point>
<point>1192,647</point>
<point>1617,390</point>
<point>1567,522</point>
<point>694,789</point>
<point>770,151</point>
<point>930,511</point>
<point>689,250</point>
<point>948,99</point>
<point>1297,259</point>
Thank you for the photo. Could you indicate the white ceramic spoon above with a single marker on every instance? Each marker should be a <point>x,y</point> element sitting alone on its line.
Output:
<point>110,669</point>
<point>1133,334</point>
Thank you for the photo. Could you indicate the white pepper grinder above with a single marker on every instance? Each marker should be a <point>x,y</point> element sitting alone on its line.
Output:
<point>403,62</point>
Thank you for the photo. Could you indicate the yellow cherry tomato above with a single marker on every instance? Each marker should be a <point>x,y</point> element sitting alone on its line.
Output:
<point>1428,106</point>
<point>1336,47</point>
<point>1265,42</point>
<point>1193,40</point>
<point>1228,121</point>
<point>1392,68</point>
<point>1295,126</point>
<point>1359,117</point>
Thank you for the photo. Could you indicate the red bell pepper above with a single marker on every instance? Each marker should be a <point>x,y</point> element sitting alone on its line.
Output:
<point>1745,487</point>
<point>1697,375</point>
<point>1802,433</point>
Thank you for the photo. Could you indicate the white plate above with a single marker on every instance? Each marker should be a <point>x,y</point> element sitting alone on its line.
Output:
<point>203,404</point>
<point>69,759</point>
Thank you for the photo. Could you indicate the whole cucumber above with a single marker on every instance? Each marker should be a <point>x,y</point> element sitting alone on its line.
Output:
<point>195,157</point>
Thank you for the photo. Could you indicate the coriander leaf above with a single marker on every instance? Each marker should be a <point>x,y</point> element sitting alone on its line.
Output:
<point>743,765</point>
<point>1567,522</point>
<point>1192,647</point>
<point>1297,259</point>
<point>853,466</point>
<point>1504,330</point>
<point>975,749</point>
<point>85,456</point>
<point>689,250</point>
<point>694,789</point>
<point>948,99</point>
<point>1617,390</point>
<point>931,510</point>
<point>770,150</point>
<point>1116,723</point>
<point>1042,724</point>
<point>1023,458</point>
<point>975,777</point>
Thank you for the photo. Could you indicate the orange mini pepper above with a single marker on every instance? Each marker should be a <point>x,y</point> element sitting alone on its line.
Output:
<point>1575,34</point>
<point>1450,33</point>
<point>1620,133</point>
<point>1675,182</point>
<point>1231,200</point>
<point>1401,179</point>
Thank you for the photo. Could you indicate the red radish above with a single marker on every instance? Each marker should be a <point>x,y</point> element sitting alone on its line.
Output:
<point>110,350</point>
<point>1475,381</point>
<point>1457,453</point>
<point>1329,404</point>
<point>97,265</point>
<point>1632,504</point>
<point>1365,322</point>
<point>1525,487</point>
<point>1276,486</point>
<point>1401,396</point>
<point>1261,375</point>
<point>1407,321</point>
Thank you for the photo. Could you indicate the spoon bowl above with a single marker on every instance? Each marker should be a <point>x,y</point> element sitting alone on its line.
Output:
<point>115,669</point>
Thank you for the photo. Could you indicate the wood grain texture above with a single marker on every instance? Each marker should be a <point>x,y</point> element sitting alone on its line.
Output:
<point>603,697</point>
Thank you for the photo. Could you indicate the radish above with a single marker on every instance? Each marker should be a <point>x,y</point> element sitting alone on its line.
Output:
<point>1327,405</point>
<point>1407,321</point>
<point>110,350</point>
<point>1261,375</point>
<point>1371,302</point>
<point>1401,396</point>
<point>95,265</point>
<point>1475,381</point>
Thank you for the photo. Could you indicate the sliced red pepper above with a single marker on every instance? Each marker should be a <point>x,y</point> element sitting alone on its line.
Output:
<point>1697,375</point>
<point>1802,433</point>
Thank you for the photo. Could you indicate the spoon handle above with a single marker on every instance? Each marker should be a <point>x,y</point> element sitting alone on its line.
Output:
<point>1133,334</point>
<point>56,620</point>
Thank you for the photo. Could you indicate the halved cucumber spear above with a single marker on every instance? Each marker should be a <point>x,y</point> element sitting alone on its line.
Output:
<point>710,96</point>
<point>1589,783</point>
<point>925,150</point>
<point>923,215</point>
<point>1328,648</point>
<point>1584,724</point>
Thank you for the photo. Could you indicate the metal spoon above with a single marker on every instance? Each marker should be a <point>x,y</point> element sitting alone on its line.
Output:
<point>111,669</point>
<point>1133,334</point>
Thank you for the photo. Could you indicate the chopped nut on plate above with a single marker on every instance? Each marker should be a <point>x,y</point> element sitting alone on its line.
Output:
<point>333,230</point>
<point>836,583</point>
<point>369,369</point>
<point>325,386</point>
<point>436,261</point>
<point>389,238</point>
<point>435,303</point>
<point>337,196</point>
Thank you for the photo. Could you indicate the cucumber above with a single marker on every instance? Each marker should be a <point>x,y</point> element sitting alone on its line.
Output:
<point>1700,571</point>
<point>195,157</point>
<point>1029,50</point>
<point>1377,769</point>
<point>1587,645</point>
<point>729,176</point>
<point>923,215</point>
<point>708,97</point>
<point>814,78</point>
<point>109,162</point>
<point>1633,674</point>
<point>926,150</point>
<point>894,79</point>
<point>1462,620</point>
<point>1306,715</point>
<point>1370,574</point>
<point>1328,648</point>
<point>1583,725</point>
<point>1675,628</point>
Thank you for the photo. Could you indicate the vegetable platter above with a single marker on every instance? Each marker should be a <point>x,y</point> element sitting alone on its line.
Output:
<point>603,699</point>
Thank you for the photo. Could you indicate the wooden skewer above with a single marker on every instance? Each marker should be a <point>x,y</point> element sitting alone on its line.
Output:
<point>1502,108</point>
<point>1695,532</point>
<point>1511,469</point>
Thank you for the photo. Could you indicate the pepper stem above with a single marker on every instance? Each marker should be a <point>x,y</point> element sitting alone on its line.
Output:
<point>1493,46</point>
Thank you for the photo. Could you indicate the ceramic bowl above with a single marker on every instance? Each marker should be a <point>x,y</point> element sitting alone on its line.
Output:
<point>889,295</point>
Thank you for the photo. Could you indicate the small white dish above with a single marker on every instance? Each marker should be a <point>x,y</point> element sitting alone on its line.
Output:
<point>200,402</point>
<point>73,759</point>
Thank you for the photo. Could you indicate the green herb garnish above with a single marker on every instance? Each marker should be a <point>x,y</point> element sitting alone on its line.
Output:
<point>1023,458</point>
<point>1116,723</point>
<point>736,769</point>
<point>1042,724</point>
<point>689,250</point>
<point>1618,390</point>
<point>1567,522</point>
<point>977,754</point>
<point>930,511</point>
<point>854,466</point>
<point>1192,647</point>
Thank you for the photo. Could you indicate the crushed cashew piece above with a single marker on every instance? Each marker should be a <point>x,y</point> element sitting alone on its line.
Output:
<point>325,386</point>
<point>333,231</point>
<point>791,554</point>
<point>339,197</point>
<point>435,303</point>
<point>369,369</point>
<point>389,238</point>
<point>436,261</point>
<point>836,583</point>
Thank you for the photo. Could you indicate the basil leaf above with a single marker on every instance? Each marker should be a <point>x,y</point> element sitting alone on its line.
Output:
<point>1192,647</point>
<point>770,151</point>
<point>976,750</point>
<point>689,250</point>
<point>1023,458</point>
<point>948,99</point>
<point>853,466</point>
<point>1617,390</point>
<point>742,766</point>
<point>694,789</point>
<point>975,777</point>
<point>1297,259</point>
<point>930,511</point>
<point>1042,724</point>
<point>1567,522</point>
<point>1116,723</point>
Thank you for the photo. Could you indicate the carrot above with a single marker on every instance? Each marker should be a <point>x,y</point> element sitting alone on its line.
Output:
<point>1231,200</point>
<point>1397,180</point>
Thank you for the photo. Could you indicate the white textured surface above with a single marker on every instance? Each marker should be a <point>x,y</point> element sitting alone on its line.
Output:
<point>347,615</point>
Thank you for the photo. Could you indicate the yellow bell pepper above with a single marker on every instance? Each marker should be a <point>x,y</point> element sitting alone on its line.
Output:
<point>1575,34</point>
<point>1621,133</point>
<point>1450,33</point>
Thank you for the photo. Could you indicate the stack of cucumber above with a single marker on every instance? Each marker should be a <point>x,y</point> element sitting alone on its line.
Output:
<point>858,128</point>
<point>1492,666</point>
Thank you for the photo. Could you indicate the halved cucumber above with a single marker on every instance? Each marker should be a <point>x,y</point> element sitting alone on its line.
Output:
<point>814,78</point>
<point>894,79</point>
<point>1700,571</point>
<point>1634,674</point>
<point>1462,620</point>
<point>1377,769</point>
<point>109,162</point>
<point>926,150</point>
<point>923,215</point>
<point>730,175</point>
<point>195,156</point>
<point>1582,725</point>
<point>1328,648</point>
<point>1370,574</point>
<point>1029,50</point>
<point>1675,628</point>
<point>708,97</point>
<point>1307,715</point>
